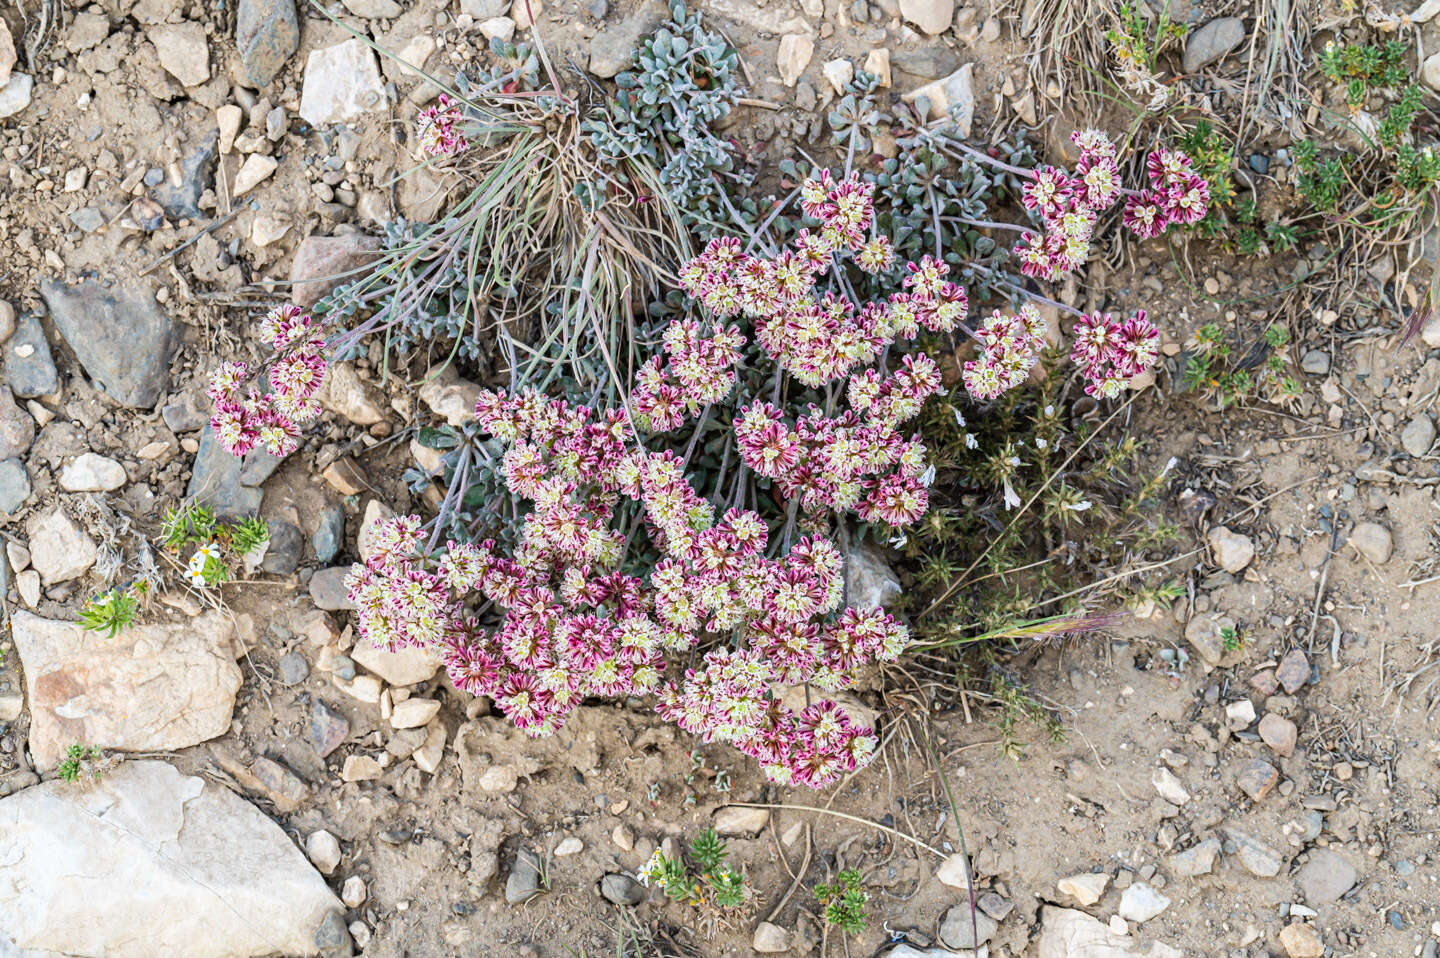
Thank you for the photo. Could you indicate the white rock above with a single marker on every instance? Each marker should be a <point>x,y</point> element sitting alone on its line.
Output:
<point>28,582</point>
<point>58,550</point>
<point>953,872</point>
<point>268,228</point>
<point>376,513</point>
<point>353,892</point>
<point>404,666</point>
<point>227,120</point>
<point>324,850</point>
<point>154,863</point>
<point>92,473</point>
<point>740,820</point>
<point>415,52</point>
<point>1067,933</point>
<point>11,705</point>
<point>1169,786</point>
<point>15,94</point>
<point>793,57</point>
<point>525,12</point>
<point>502,28</point>
<point>499,778</point>
<point>932,16</point>
<point>183,51</point>
<point>414,713</point>
<point>1240,714</point>
<point>1429,72</point>
<point>1418,435</point>
<point>360,768</point>
<point>1425,12</point>
<point>341,83</point>
<point>150,688</point>
<point>838,73</point>
<point>770,939</point>
<point>7,52</point>
<point>344,393</point>
<point>877,63</point>
<point>1086,888</point>
<point>18,556</point>
<point>450,397</point>
<point>870,580</point>
<point>1233,551</point>
<point>429,755</point>
<point>254,171</point>
<point>374,9</point>
<point>569,845</point>
<point>1140,902</point>
<point>953,95</point>
<point>1370,539</point>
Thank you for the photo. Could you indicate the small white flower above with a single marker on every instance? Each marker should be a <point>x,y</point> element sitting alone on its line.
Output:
<point>195,576</point>
<point>1012,501</point>
<point>1041,442</point>
<point>928,476</point>
<point>1080,506</point>
<point>1050,410</point>
<point>898,541</point>
<point>971,442</point>
<point>959,419</point>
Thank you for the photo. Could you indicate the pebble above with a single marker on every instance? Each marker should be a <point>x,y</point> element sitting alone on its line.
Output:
<point>953,872</point>
<point>877,64</point>
<point>1169,786</point>
<point>1196,861</point>
<point>1300,940</point>
<point>1203,634</point>
<point>1279,733</point>
<point>995,906</point>
<point>254,171</point>
<point>523,882</point>
<point>621,889</point>
<point>413,713</point>
<point>1233,551</point>
<point>15,94</point>
<point>329,533</point>
<point>429,755</point>
<point>216,480</point>
<point>321,264</point>
<point>352,893</point>
<point>293,668</point>
<point>796,50</point>
<point>1140,903</point>
<point>1316,362</point>
<point>374,9</point>
<point>1255,856</point>
<point>953,93</point>
<point>327,589</point>
<point>1085,888</point>
<point>282,551</point>
<point>932,16</point>
<point>1429,71</point>
<point>613,48</point>
<point>1418,435</point>
<point>570,845</point>
<point>28,582</point>
<point>960,928</point>
<point>838,73</point>
<point>59,551</point>
<point>324,851</point>
<point>17,427</point>
<point>739,820</point>
<point>770,939</point>
<point>92,473</point>
<point>1293,671</point>
<point>1212,42</point>
<point>328,728</point>
<point>623,837</point>
<point>29,369</point>
<point>1373,541</point>
<point>342,82</point>
<point>360,768</point>
<point>1256,779</point>
<point>183,51</point>
<point>1326,877</point>
<point>501,28</point>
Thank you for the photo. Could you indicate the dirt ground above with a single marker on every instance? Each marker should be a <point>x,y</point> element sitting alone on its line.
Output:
<point>1149,718</point>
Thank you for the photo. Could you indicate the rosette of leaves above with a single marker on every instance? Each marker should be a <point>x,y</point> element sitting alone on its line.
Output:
<point>685,81</point>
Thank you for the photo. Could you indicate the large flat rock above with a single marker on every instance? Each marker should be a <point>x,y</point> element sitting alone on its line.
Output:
<point>147,861</point>
<point>150,688</point>
<point>119,335</point>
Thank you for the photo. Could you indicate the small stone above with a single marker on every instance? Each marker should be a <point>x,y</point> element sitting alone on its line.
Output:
<point>329,532</point>
<point>28,582</point>
<point>183,51</point>
<point>793,57</point>
<point>995,906</point>
<point>499,778</point>
<point>1169,786</point>
<point>414,713</point>
<point>952,96</point>
<point>363,688</point>
<point>498,28</point>
<point>92,473</point>
<point>328,591</point>
<point>267,229</point>
<point>1279,733</point>
<point>1316,362</point>
<point>120,335</point>
<point>1429,72</point>
<point>399,667</point>
<point>1085,888</point>
<point>328,728</point>
<point>1326,877</point>
<point>1373,541</point>
<point>1255,856</point>
<point>524,12</point>
<point>7,53</point>
<point>877,64</point>
<point>324,851</point>
<point>1203,632</point>
<point>1212,42</point>
<point>1418,435</point>
<point>484,9</point>
<point>293,668</point>
<point>374,9</point>
<point>932,16</point>
<point>227,123</point>
<point>960,928</point>
<point>1233,552</point>
<point>1293,671</point>
<point>523,882</point>
<point>323,263</point>
<point>1257,778</point>
<point>17,427</point>
<point>342,83</point>
<point>58,550</point>
<point>569,845</point>
<point>954,871</point>
<point>360,768</point>
<point>1239,715</point>
<point>254,171</point>
<point>352,893</point>
<point>15,94</point>
<point>1196,861</point>
<point>7,320</point>
<point>838,73</point>
<point>29,368</point>
<point>623,837</point>
<point>621,889</point>
<point>1300,940</point>
<point>770,939</point>
<point>18,556</point>
<point>739,820</point>
<point>1140,903</point>
<point>430,754</point>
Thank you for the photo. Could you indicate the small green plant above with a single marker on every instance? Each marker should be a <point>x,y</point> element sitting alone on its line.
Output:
<point>77,757</point>
<point>845,901</point>
<point>1136,41</point>
<point>112,611</point>
<point>1233,219</point>
<point>1231,638</point>
<point>707,881</point>
<point>1363,68</point>
<point>1208,367</point>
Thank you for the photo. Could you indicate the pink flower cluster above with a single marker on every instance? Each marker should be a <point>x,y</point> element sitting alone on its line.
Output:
<point>697,372</point>
<point>437,129</point>
<point>574,626</point>
<point>246,418</point>
<point>1111,352</point>
<point>818,339</point>
<point>1070,204</point>
<point>1009,347</point>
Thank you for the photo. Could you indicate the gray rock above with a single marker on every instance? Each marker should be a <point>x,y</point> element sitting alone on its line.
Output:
<point>267,33</point>
<point>481,10</point>
<point>617,889</point>
<point>523,882</point>
<point>17,429</point>
<point>1140,903</point>
<point>1373,541</point>
<point>87,219</point>
<point>1418,435</point>
<point>14,486</point>
<point>220,878</point>
<point>1255,856</point>
<point>869,579</point>
<point>1196,861</point>
<point>29,369</point>
<point>1316,362</point>
<point>293,668</point>
<point>332,938</point>
<point>327,589</point>
<point>329,534</point>
<point>181,201</point>
<point>15,94</point>
<point>770,939</point>
<point>926,63</point>
<point>1212,42</point>
<point>613,48</point>
<point>282,553</point>
<point>342,82</point>
<point>258,465</point>
<point>957,930</point>
<point>328,728</point>
<point>182,51</point>
<point>7,320</point>
<point>187,413</point>
<point>1326,877</point>
<point>59,551</point>
<point>120,336</point>
<point>215,480</point>
<point>325,262</point>
<point>374,9</point>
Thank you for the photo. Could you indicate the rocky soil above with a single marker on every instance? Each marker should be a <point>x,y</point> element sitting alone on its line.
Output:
<point>168,168</point>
